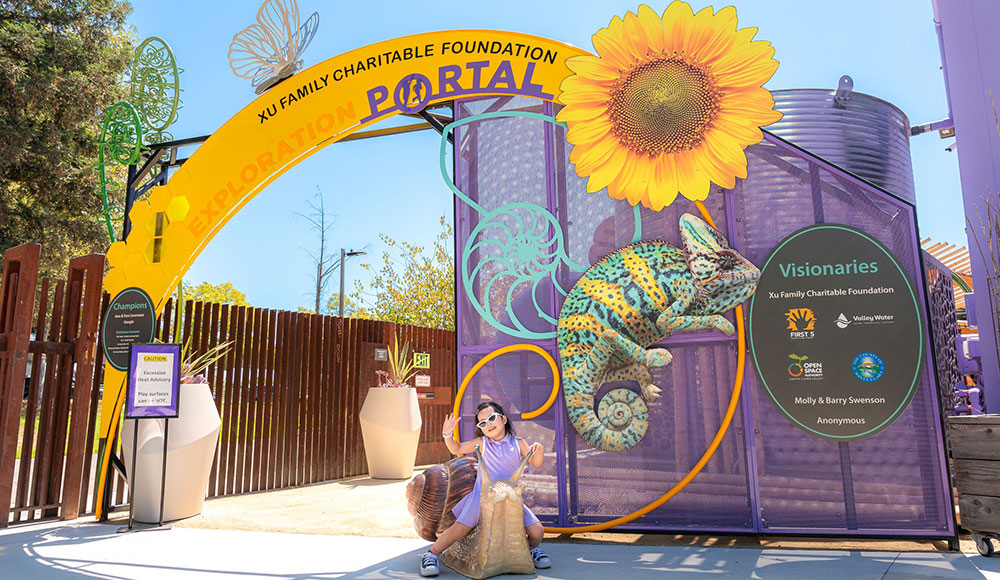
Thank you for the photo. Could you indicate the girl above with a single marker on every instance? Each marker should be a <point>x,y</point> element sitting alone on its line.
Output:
<point>502,452</point>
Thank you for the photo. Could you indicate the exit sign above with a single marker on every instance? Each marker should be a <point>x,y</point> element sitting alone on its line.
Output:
<point>422,360</point>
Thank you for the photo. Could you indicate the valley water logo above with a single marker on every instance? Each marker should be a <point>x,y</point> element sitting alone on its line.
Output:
<point>800,370</point>
<point>843,321</point>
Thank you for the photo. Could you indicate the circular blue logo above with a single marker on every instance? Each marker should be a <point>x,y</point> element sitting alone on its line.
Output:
<point>868,367</point>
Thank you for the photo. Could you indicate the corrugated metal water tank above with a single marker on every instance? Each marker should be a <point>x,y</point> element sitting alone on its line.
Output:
<point>860,133</point>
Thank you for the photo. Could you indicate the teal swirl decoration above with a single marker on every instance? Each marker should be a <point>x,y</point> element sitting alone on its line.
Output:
<point>120,142</point>
<point>156,88</point>
<point>521,244</point>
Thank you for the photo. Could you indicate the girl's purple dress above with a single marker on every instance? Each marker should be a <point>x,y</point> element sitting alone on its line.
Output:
<point>501,458</point>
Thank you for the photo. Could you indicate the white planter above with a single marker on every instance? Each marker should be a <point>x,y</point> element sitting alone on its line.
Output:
<point>191,444</point>
<point>390,425</point>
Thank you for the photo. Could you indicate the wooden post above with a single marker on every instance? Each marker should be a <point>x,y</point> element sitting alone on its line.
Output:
<point>20,276</point>
<point>88,270</point>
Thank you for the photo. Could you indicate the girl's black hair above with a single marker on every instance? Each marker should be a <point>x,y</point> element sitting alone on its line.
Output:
<point>508,426</point>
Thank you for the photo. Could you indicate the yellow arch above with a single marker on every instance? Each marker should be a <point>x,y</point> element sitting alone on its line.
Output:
<point>290,122</point>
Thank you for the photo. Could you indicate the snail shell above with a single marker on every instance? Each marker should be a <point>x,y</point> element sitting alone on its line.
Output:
<point>431,495</point>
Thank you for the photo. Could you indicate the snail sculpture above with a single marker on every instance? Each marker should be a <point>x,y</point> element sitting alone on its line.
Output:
<point>497,544</point>
<point>431,495</point>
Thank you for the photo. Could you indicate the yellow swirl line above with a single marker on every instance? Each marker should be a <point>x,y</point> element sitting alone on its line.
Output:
<point>510,348</point>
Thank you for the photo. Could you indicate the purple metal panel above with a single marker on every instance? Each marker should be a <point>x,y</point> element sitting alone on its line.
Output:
<point>553,205</point>
<point>969,48</point>
<point>746,399</point>
<point>778,479</point>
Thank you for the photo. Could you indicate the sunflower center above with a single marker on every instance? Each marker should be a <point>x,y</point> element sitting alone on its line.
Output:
<point>664,105</point>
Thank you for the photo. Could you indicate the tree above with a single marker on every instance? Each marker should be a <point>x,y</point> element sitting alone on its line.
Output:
<point>323,260</point>
<point>351,307</point>
<point>221,293</point>
<point>412,287</point>
<point>61,62</point>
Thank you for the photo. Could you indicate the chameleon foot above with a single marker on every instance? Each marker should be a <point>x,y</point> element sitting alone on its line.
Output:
<point>651,393</point>
<point>658,357</point>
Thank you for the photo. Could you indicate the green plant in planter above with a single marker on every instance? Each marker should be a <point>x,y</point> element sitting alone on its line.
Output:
<point>193,368</point>
<point>401,367</point>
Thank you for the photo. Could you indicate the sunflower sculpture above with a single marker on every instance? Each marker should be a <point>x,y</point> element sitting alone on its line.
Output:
<point>668,105</point>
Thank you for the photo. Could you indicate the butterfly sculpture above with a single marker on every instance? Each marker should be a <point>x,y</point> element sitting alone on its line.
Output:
<point>268,52</point>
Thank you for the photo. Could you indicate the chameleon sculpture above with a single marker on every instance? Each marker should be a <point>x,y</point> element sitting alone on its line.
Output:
<point>630,300</point>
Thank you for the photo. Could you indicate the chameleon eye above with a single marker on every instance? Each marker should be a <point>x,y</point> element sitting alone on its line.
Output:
<point>726,262</point>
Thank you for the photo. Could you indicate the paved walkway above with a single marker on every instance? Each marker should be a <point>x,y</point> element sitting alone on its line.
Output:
<point>80,549</point>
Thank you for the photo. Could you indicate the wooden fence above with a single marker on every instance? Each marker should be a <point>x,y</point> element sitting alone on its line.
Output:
<point>289,391</point>
<point>46,471</point>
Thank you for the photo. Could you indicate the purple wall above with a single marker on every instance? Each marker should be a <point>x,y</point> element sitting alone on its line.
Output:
<point>970,47</point>
<point>767,475</point>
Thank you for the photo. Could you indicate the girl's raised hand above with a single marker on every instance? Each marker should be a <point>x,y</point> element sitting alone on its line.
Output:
<point>536,448</point>
<point>450,422</point>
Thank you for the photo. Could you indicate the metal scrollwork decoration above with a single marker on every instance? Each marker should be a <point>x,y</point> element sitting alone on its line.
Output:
<point>268,52</point>
<point>120,142</point>
<point>155,90</point>
<point>516,248</point>
<point>154,99</point>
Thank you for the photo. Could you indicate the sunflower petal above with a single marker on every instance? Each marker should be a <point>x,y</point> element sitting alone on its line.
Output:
<point>727,153</point>
<point>593,68</point>
<point>742,132</point>
<point>603,175</point>
<point>588,158</point>
<point>583,94</point>
<point>748,66</point>
<point>663,191</point>
<point>677,19</point>
<point>713,37</point>
<point>586,132</point>
<point>716,172</point>
<point>580,113</point>
<point>693,184</point>
<point>652,28</point>
<point>608,44</point>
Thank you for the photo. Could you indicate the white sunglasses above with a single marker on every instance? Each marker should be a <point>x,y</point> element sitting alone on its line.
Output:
<point>494,417</point>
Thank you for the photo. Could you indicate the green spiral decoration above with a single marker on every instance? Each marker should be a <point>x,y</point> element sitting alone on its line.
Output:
<point>154,99</point>
<point>120,142</point>
<point>156,88</point>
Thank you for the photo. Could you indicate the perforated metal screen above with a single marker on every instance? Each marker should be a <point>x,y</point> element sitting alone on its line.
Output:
<point>767,475</point>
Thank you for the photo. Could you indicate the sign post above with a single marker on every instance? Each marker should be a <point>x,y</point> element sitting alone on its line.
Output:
<point>153,393</point>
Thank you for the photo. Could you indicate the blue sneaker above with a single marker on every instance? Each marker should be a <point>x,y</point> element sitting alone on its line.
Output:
<point>429,564</point>
<point>540,559</point>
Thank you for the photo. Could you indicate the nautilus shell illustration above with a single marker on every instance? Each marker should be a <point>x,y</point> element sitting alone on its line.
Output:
<point>512,257</point>
<point>268,52</point>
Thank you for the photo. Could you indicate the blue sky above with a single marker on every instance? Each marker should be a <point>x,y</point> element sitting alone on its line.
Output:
<point>392,185</point>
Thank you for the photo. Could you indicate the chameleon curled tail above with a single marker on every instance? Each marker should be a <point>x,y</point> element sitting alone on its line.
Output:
<point>629,301</point>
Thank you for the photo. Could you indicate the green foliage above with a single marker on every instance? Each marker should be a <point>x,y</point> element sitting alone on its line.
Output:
<point>351,307</point>
<point>61,62</point>
<point>412,287</point>
<point>221,293</point>
<point>401,366</point>
<point>193,367</point>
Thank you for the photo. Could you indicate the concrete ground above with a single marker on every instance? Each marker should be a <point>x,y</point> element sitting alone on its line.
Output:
<point>359,528</point>
<point>65,550</point>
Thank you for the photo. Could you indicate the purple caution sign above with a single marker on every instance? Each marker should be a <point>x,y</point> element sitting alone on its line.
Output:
<point>153,377</point>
